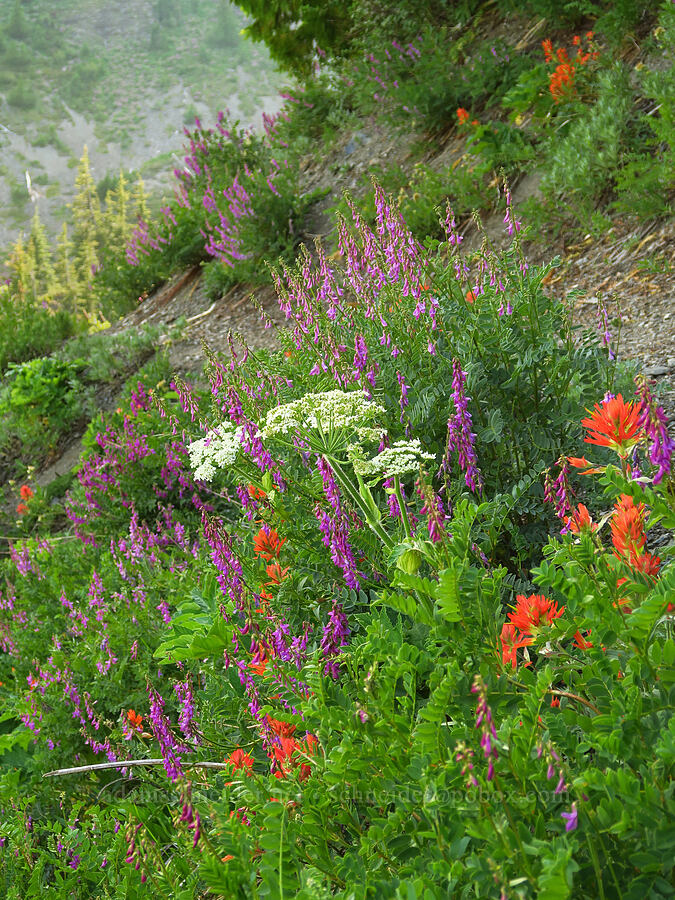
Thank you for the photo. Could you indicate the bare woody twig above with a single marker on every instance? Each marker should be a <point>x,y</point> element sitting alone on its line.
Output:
<point>126,763</point>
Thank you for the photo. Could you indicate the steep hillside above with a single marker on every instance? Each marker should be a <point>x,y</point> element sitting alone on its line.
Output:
<point>122,78</point>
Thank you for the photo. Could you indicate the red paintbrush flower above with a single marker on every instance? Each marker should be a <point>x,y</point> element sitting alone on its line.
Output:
<point>276,574</point>
<point>581,642</point>
<point>267,544</point>
<point>512,640</point>
<point>627,527</point>
<point>628,536</point>
<point>580,520</point>
<point>533,612</point>
<point>240,760</point>
<point>135,721</point>
<point>614,424</point>
<point>259,667</point>
<point>281,729</point>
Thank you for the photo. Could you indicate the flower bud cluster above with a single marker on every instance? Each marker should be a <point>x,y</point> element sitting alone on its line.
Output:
<point>329,409</point>
<point>217,450</point>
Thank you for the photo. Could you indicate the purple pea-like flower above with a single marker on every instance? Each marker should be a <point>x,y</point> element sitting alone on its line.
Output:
<point>183,691</point>
<point>486,725</point>
<point>460,437</point>
<point>335,637</point>
<point>161,727</point>
<point>655,423</point>
<point>571,818</point>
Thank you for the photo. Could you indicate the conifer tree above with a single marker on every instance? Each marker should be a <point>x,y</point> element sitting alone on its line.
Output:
<point>65,286</point>
<point>20,267</point>
<point>140,201</point>
<point>40,252</point>
<point>117,202</point>
<point>18,24</point>
<point>87,221</point>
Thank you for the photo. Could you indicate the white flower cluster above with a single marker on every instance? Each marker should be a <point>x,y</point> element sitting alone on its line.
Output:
<point>401,458</point>
<point>215,451</point>
<point>330,409</point>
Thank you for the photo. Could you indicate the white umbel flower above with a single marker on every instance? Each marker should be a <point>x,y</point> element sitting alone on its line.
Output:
<point>215,451</point>
<point>401,458</point>
<point>330,409</point>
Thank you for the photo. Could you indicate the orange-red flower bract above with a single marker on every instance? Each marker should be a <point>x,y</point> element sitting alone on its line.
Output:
<point>284,758</point>
<point>22,509</point>
<point>238,759</point>
<point>259,667</point>
<point>134,719</point>
<point>580,641</point>
<point>579,462</point>
<point>533,612</point>
<point>614,424</point>
<point>26,492</point>
<point>276,573</point>
<point>281,729</point>
<point>511,640</point>
<point>628,537</point>
<point>627,527</point>
<point>580,520</point>
<point>462,115</point>
<point>267,544</point>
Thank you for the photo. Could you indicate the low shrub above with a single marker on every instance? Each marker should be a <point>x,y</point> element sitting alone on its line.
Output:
<point>233,193</point>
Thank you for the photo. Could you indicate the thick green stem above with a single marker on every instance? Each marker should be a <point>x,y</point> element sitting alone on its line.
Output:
<point>402,506</point>
<point>350,490</point>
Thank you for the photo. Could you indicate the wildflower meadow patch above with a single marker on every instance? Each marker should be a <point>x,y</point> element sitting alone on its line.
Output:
<point>387,612</point>
<point>376,615</point>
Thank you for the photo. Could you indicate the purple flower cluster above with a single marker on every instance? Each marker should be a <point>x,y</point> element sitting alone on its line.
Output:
<point>141,239</point>
<point>335,636</point>
<point>335,526</point>
<point>161,728</point>
<point>554,766</point>
<point>603,328</point>
<point>486,725</point>
<point>136,852</point>
<point>190,818</point>
<point>224,559</point>
<point>140,399</point>
<point>433,510</point>
<point>403,402</point>
<point>512,224</point>
<point>655,423</point>
<point>460,436</point>
<point>183,691</point>
<point>464,754</point>
<point>558,491</point>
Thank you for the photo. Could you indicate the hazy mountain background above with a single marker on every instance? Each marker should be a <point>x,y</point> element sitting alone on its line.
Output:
<point>122,77</point>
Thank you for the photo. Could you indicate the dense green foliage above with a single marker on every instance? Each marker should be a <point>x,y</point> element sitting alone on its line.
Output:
<point>44,399</point>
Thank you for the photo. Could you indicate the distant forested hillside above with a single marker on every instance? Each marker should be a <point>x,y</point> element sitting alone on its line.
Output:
<point>121,77</point>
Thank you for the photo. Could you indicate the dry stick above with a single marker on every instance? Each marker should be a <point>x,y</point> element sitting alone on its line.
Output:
<point>202,314</point>
<point>125,763</point>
